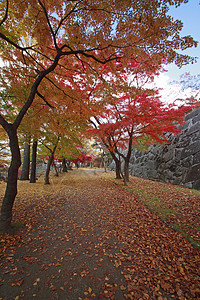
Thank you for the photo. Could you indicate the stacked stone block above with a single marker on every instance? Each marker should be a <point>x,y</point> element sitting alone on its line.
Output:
<point>177,162</point>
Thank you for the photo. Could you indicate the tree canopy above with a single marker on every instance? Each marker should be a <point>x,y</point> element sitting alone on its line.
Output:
<point>48,43</point>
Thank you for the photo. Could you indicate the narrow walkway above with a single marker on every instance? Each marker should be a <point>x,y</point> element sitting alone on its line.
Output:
<point>93,240</point>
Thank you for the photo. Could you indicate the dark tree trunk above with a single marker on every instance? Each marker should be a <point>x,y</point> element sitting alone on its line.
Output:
<point>117,165</point>
<point>11,129</point>
<point>64,166</point>
<point>105,164</point>
<point>56,169</point>
<point>33,164</point>
<point>50,161</point>
<point>118,169</point>
<point>11,189</point>
<point>26,163</point>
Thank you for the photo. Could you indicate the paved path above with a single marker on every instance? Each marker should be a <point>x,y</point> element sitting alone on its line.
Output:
<point>93,240</point>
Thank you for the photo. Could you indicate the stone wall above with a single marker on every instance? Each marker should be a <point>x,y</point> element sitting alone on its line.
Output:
<point>177,162</point>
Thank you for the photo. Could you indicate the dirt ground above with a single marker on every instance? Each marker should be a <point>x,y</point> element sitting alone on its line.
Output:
<point>84,237</point>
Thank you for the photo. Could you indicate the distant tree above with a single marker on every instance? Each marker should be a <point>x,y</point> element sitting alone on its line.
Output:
<point>26,162</point>
<point>33,162</point>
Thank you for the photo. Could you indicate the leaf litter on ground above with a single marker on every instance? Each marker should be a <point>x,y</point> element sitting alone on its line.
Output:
<point>86,237</point>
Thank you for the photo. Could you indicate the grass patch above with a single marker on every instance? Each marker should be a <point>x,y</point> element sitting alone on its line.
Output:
<point>175,205</point>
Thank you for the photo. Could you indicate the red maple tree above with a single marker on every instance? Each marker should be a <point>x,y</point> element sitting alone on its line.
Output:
<point>134,114</point>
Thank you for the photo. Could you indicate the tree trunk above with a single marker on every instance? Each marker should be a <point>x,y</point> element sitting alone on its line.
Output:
<point>11,189</point>
<point>11,129</point>
<point>105,161</point>
<point>26,163</point>
<point>50,161</point>
<point>64,166</point>
<point>117,165</point>
<point>105,166</point>
<point>124,178</point>
<point>127,159</point>
<point>126,169</point>
<point>33,164</point>
<point>56,169</point>
<point>118,169</point>
<point>101,163</point>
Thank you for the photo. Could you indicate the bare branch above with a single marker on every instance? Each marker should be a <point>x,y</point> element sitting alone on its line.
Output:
<point>35,85</point>
<point>65,17</point>
<point>93,123</point>
<point>61,89</point>
<point>43,98</point>
<point>13,43</point>
<point>45,145</point>
<point>49,24</point>
<point>34,60</point>
<point>83,52</point>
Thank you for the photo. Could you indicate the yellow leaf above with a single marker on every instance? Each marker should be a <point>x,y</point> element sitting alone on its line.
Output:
<point>117,264</point>
<point>127,277</point>
<point>106,278</point>
<point>85,293</point>
<point>89,290</point>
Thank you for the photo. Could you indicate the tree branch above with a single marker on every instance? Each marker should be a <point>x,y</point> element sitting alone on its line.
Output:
<point>49,24</point>
<point>61,89</point>
<point>33,91</point>
<point>13,43</point>
<point>6,14</point>
<point>3,123</point>
<point>43,98</point>
<point>65,17</point>
<point>83,52</point>
<point>45,146</point>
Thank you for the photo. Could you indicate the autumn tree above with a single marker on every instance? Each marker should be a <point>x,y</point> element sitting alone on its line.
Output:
<point>133,113</point>
<point>61,132</point>
<point>13,96</point>
<point>141,118</point>
<point>36,36</point>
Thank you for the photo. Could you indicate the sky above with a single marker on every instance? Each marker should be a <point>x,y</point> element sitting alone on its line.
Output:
<point>189,14</point>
